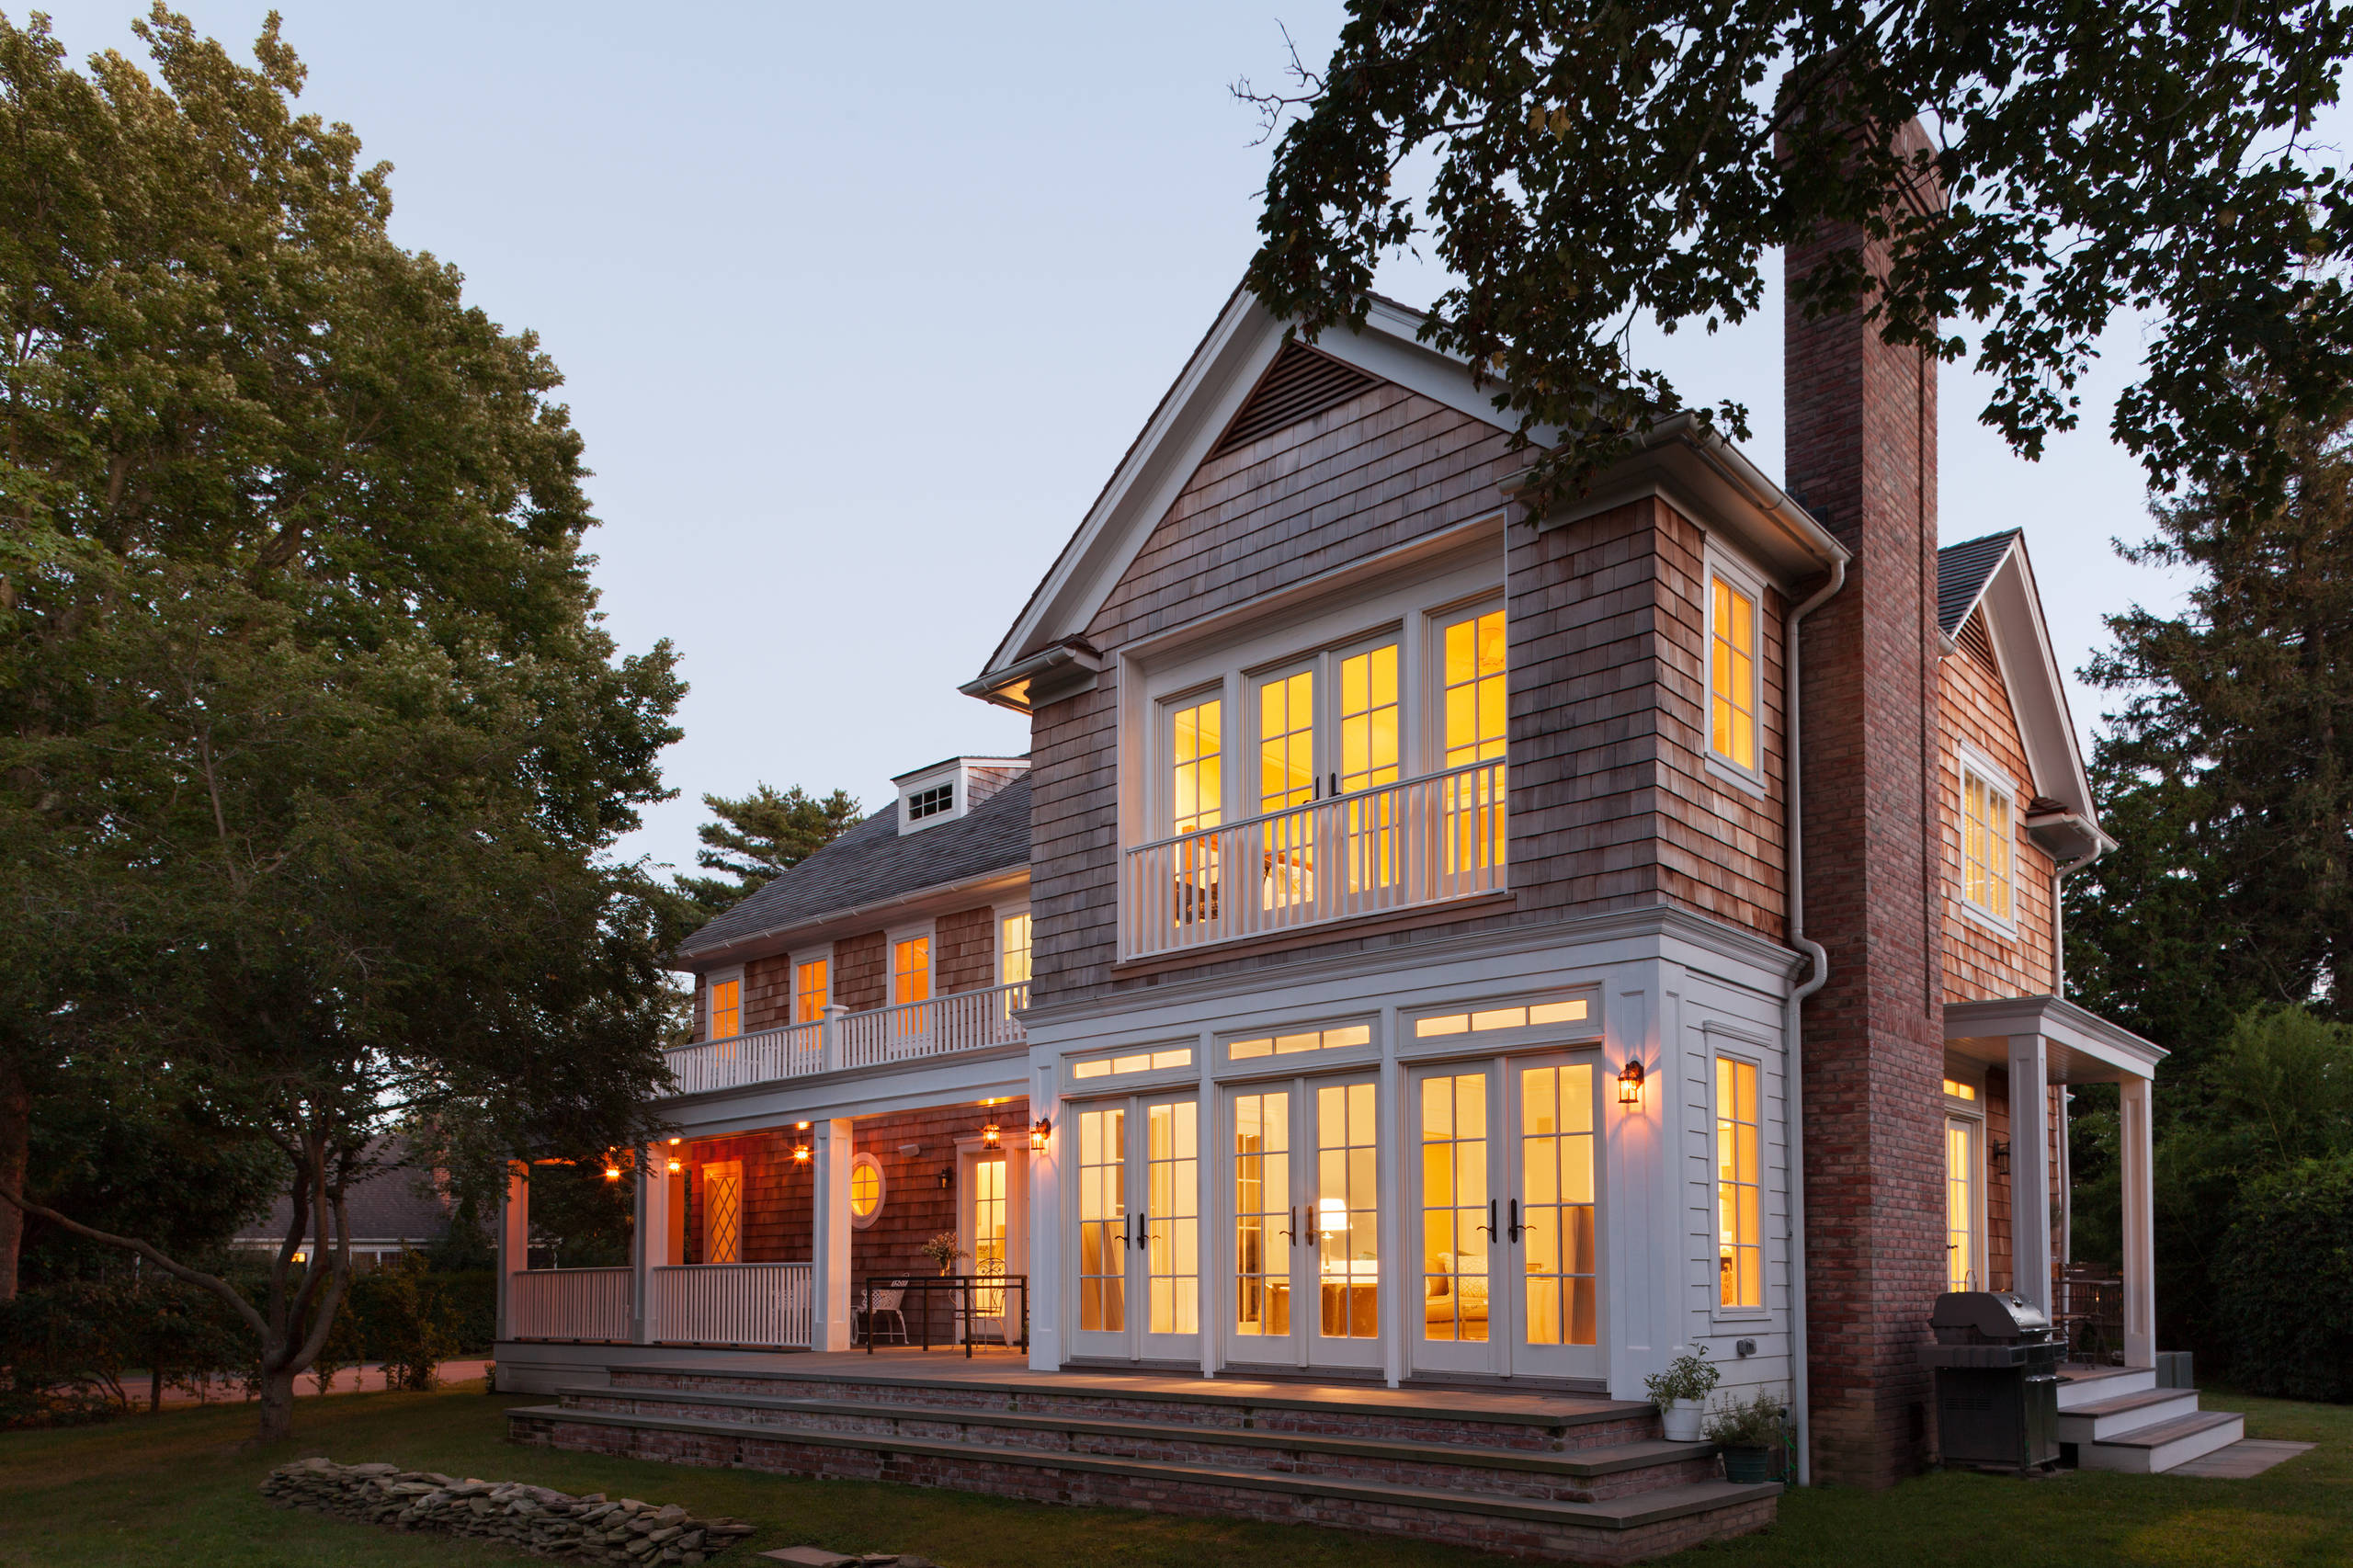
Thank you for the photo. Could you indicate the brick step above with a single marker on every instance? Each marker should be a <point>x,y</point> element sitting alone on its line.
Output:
<point>1524,1421</point>
<point>2152,1450</point>
<point>2121,1416</point>
<point>1619,1529</point>
<point>1581,1475</point>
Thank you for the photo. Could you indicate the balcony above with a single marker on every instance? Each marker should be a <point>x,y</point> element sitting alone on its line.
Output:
<point>1425,841</point>
<point>912,1031</point>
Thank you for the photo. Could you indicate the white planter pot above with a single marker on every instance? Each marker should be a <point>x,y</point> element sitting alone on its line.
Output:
<point>1682,1420</point>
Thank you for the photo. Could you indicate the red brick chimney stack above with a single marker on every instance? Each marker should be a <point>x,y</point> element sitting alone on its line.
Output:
<point>1862,455</point>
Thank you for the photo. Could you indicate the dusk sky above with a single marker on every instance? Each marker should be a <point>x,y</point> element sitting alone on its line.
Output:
<point>857,310</point>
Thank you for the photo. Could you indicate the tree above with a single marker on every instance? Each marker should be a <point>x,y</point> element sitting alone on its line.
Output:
<point>304,689</point>
<point>757,838</point>
<point>1597,160</point>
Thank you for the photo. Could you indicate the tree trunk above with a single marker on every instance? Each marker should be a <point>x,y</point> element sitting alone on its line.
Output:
<point>155,1389</point>
<point>277,1405</point>
<point>16,1137</point>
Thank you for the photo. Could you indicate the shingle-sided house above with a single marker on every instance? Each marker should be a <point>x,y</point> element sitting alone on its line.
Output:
<point>1437,960</point>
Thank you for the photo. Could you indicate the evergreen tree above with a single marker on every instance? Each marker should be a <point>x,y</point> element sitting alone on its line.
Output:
<point>758,837</point>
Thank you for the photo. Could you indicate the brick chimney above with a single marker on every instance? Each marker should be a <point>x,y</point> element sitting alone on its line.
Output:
<point>1862,455</point>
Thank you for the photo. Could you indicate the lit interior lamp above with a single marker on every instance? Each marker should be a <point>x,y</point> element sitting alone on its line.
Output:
<point>1331,1215</point>
<point>1039,1131</point>
<point>1630,1083</point>
<point>991,1136</point>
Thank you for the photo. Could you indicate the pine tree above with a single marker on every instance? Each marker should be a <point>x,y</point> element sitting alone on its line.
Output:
<point>757,838</point>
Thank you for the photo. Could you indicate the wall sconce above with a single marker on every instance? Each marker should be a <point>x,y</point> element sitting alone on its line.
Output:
<point>677,1165</point>
<point>1039,1131</point>
<point>1630,1083</point>
<point>1331,1215</point>
<point>1997,1157</point>
<point>991,1136</point>
<point>948,1178</point>
<point>612,1173</point>
<point>801,1154</point>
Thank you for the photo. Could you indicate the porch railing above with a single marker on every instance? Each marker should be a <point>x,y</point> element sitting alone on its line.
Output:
<point>1420,842</point>
<point>568,1303</point>
<point>732,1303</point>
<point>963,1020</point>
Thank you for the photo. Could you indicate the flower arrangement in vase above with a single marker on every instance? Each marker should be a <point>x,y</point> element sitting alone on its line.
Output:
<point>942,1250</point>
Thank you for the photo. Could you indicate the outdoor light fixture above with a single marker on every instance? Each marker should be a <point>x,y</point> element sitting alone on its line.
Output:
<point>948,1178</point>
<point>1997,1154</point>
<point>677,1164</point>
<point>801,1127</point>
<point>673,1141</point>
<point>1630,1083</point>
<point>612,1173</point>
<point>991,1136</point>
<point>801,1154</point>
<point>1039,1131</point>
<point>1331,1215</point>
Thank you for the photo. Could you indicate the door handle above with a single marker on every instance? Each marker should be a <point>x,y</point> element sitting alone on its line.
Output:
<point>1490,1226</point>
<point>1290,1231</point>
<point>1515,1219</point>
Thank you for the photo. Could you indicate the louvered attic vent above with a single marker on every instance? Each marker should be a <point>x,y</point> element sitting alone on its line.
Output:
<point>1300,384</point>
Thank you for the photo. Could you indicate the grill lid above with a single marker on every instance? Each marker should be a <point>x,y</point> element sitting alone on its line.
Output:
<point>1987,1317</point>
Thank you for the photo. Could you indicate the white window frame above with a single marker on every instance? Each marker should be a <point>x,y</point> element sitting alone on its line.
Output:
<point>1430,752</point>
<point>882,1189</point>
<point>1720,562</point>
<point>794,961</point>
<point>930,931</point>
<point>1967,760</point>
<point>1000,914</point>
<point>1163,752</point>
<point>1979,1262</point>
<point>1722,1310</point>
<point>717,977</point>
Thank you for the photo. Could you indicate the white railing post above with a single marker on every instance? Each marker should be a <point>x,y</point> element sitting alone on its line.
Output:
<point>514,1241</point>
<point>649,1245</point>
<point>834,1014</point>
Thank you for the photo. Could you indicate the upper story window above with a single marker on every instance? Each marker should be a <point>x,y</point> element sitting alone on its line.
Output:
<point>1287,740</point>
<point>1985,834</point>
<point>1472,654</point>
<point>1197,764</point>
<point>811,991</point>
<point>1733,679</point>
<point>1012,949</point>
<point>931,802</point>
<point>911,969</point>
<point>725,1016</point>
<point>1370,736</point>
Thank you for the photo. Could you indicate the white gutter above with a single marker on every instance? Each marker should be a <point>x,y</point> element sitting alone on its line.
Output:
<point>1792,1021</point>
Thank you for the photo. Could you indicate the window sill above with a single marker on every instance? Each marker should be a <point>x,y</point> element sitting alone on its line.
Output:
<point>1738,777</point>
<point>2007,930</point>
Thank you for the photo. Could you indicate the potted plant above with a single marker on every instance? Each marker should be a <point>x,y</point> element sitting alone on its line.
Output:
<point>1748,1430</point>
<point>942,1250</point>
<point>1682,1395</point>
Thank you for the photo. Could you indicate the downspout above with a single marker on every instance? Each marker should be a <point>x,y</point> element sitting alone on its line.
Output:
<point>1793,1073</point>
<point>2065,1163</point>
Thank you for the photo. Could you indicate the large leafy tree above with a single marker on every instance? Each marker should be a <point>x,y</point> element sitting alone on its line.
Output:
<point>312,744</point>
<point>1593,162</point>
<point>757,837</point>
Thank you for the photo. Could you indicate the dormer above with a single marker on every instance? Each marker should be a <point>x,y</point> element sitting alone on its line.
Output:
<point>945,791</point>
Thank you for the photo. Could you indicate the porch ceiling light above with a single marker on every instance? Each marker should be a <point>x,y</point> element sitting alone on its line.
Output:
<point>1039,1131</point>
<point>991,1136</point>
<point>1630,1083</point>
<point>1331,1215</point>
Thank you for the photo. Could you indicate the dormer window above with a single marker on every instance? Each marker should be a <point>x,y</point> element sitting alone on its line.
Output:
<point>948,791</point>
<point>931,802</point>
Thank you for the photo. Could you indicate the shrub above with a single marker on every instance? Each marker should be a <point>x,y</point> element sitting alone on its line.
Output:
<point>2286,1282</point>
<point>1688,1376</point>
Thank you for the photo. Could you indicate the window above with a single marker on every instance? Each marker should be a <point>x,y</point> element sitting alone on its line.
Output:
<point>1369,732</point>
<point>1731,675</point>
<point>1196,766</point>
<point>1291,1044</point>
<point>1485,1019</point>
<point>1012,949</point>
<point>1137,1062</point>
<point>723,1211</point>
<point>1960,1203</point>
<point>1740,1192</point>
<point>1956,1089</point>
<point>1472,698</point>
<point>931,802</point>
<point>726,1017</point>
<point>1985,843</point>
<point>1287,740</point>
<point>1262,1214</point>
<point>988,1234</point>
<point>865,1190</point>
<point>911,969</point>
<point>810,992</point>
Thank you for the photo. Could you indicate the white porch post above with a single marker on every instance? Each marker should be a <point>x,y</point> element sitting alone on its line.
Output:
<point>514,1241</point>
<point>650,1245</point>
<point>831,1035</point>
<point>829,1236</point>
<point>2030,1169</point>
<point>2140,1224</point>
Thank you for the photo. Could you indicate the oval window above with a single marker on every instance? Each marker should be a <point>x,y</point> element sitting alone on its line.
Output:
<point>865,1190</point>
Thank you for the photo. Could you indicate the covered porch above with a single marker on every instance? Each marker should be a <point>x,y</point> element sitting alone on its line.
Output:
<point>2010,1062</point>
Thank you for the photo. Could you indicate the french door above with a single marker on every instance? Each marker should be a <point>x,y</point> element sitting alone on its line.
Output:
<point>1507,1209</point>
<point>1137,1218</point>
<point>1304,1175</point>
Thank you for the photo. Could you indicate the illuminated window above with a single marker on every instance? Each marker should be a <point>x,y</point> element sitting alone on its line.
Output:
<point>1483,1019</point>
<point>1960,1204</point>
<point>1287,740</point>
<point>1196,766</point>
<point>865,1190</point>
<point>988,1234</point>
<point>1957,1090</point>
<point>1012,949</point>
<point>1368,718</point>
<point>1985,844</point>
<point>809,992</point>
<point>911,969</point>
<point>1291,1044</point>
<point>1731,675</point>
<point>726,1008</point>
<point>1262,1214</point>
<point>1136,1061</point>
<point>1740,1200</point>
<point>931,802</point>
<point>1473,689</point>
<point>723,1211</point>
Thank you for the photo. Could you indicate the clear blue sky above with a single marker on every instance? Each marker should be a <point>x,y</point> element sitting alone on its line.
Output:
<point>857,310</point>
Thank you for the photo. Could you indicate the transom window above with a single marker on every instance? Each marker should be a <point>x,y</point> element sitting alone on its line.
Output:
<point>726,1008</point>
<point>1740,1189</point>
<point>1985,844</point>
<point>810,992</point>
<point>1731,674</point>
<point>1484,1018</point>
<point>931,802</point>
<point>1134,1062</point>
<point>1292,1044</point>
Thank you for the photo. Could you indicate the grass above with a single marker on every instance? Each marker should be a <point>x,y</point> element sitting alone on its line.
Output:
<point>178,1489</point>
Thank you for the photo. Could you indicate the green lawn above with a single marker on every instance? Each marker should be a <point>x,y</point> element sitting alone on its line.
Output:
<point>178,1490</point>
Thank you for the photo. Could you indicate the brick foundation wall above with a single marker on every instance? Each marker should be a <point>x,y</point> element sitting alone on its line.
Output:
<point>1861,456</point>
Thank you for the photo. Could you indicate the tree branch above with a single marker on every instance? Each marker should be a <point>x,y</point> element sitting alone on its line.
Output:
<point>179,1271</point>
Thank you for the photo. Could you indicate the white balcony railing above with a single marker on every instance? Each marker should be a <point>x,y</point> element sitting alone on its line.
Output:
<point>1423,841</point>
<point>732,1303</point>
<point>568,1303</point>
<point>963,1020</point>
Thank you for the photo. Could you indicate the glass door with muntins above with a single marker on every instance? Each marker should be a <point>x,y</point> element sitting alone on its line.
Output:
<point>1459,1223</point>
<point>1303,1193</point>
<point>1346,1250</point>
<point>1264,1204</point>
<point>1139,1229</point>
<point>1552,1214</point>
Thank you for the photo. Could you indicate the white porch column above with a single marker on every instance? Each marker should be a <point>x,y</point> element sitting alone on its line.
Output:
<point>829,1237</point>
<point>650,1243</point>
<point>1045,1232</point>
<point>514,1241</point>
<point>2140,1224</point>
<point>2030,1169</point>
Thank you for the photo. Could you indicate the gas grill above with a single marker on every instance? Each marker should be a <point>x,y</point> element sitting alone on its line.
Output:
<point>1997,1382</point>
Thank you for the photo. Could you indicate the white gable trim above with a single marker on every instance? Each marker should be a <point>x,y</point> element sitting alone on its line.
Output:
<point>2031,673</point>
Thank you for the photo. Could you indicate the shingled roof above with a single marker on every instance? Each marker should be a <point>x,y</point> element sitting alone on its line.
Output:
<point>393,1205</point>
<point>1962,572</point>
<point>874,861</point>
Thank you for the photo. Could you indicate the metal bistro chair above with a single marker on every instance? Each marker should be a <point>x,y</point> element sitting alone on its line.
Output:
<point>883,1302</point>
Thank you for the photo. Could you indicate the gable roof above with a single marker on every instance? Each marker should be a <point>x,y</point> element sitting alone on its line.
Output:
<point>1962,572</point>
<point>873,863</point>
<point>397,1203</point>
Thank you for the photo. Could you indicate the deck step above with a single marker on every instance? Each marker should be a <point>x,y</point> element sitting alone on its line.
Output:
<point>2091,1386</point>
<point>1639,1524</point>
<point>2124,1414</point>
<point>2157,1448</point>
<point>1581,1474</point>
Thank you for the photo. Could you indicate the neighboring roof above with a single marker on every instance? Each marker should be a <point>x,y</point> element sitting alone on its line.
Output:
<point>388,1206</point>
<point>1962,572</point>
<point>874,862</point>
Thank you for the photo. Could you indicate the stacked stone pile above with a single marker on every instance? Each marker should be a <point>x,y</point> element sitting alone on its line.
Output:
<point>535,1518</point>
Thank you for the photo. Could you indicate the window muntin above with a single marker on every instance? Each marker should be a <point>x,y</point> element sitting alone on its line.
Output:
<point>1287,740</point>
<point>1292,1044</point>
<point>988,1234</point>
<point>1348,1211</point>
<point>1740,1189</point>
<point>811,991</point>
<point>1960,1204</point>
<point>1197,766</point>
<point>723,1211</point>
<point>726,1008</point>
<point>1135,1061</point>
<point>1471,698</point>
<point>1456,1223</point>
<point>1985,875</point>
<point>1012,949</point>
<point>1262,1214</point>
<point>866,1189</point>
<point>911,969</point>
<point>1731,675</point>
<point>1370,736</point>
<point>1481,1020</point>
<point>931,802</point>
<point>1956,1089</point>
